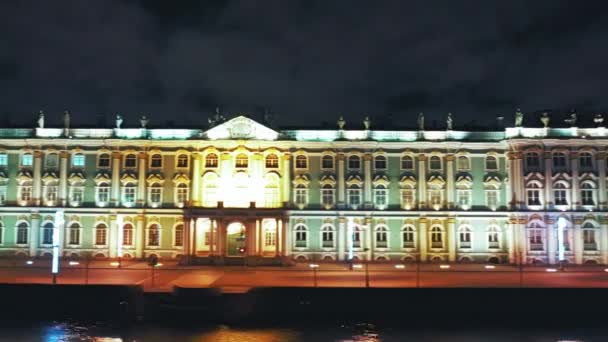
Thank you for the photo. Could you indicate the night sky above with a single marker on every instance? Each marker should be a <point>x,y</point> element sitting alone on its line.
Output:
<point>307,62</point>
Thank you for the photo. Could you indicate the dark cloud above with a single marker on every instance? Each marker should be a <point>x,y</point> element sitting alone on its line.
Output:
<point>308,61</point>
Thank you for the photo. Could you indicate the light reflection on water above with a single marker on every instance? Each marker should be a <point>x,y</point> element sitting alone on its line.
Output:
<point>69,331</point>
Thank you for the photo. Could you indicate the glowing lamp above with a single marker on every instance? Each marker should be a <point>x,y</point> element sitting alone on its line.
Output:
<point>114,263</point>
<point>444,266</point>
<point>357,266</point>
<point>74,263</point>
<point>399,266</point>
<point>490,267</point>
<point>29,262</point>
<point>158,265</point>
<point>551,270</point>
<point>313,265</point>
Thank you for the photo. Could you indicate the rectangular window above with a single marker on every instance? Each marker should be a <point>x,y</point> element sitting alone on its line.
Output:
<point>76,195</point>
<point>327,162</point>
<point>589,240</point>
<point>536,240</point>
<point>354,196</point>
<point>129,194</point>
<point>179,236</point>
<point>301,196</point>
<point>587,197</point>
<point>464,199</point>
<point>25,193</point>
<point>356,239</point>
<point>74,236</point>
<point>407,199</point>
<point>100,236</point>
<point>51,161</point>
<point>408,239</point>
<point>435,197</point>
<point>103,194</point>
<point>492,198</point>
<point>327,197</point>
<point>181,195</point>
<point>156,195</point>
<point>3,159</point>
<point>533,197</point>
<point>27,160</point>
<point>47,236</point>
<point>328,239</point>
<point>560,197</point>
<point>78,160</point>
<point>269,238</point>
<point>2,195</point>
<point>380,195</point>
<point>51,195</point>
<point>22,235</point>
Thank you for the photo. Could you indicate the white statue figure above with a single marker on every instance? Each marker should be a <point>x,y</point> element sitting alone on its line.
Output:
<point>545,119</point>
<point>598,119</point>
<point>519,118</point>
<point>216,118</point>
<point>366,123</point>
<point>421,121</point>
<point>41,119</point>
<point>341,123</point>
<point>66,120</point>
<point>143,121</point>
<point>571,120</point>
<point>118,121</point>
<point>449,122</point>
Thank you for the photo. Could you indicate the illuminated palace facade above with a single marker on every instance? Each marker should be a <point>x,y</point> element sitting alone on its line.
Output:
<point>243,190</point>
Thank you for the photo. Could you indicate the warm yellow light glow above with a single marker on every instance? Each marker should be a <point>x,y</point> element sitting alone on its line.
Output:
<point>313,265</point>
<point>490,267</point>
<point>551,270</point>
<point>399,266</point>
<point>357,266</point>
<point>114,263</point>
<point>29,262</point>
<point>74,263</point>
<point>444,266</point>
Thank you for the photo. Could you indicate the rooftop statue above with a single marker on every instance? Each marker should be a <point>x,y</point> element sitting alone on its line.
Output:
<point>216,118</point>
<point>66,119</point>
<point>545,119</point>
<point>598,119</point>
<point>571,120</point>
<point>341,122</point>
<point>143,121</point>
<point>41,119</point>
<point>519,118</point>
<point>366,123</point>
<point>118,120</point>
<point>449,122</point>
<point>421,121</point>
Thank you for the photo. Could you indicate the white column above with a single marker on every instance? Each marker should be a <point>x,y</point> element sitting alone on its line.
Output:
<point>575,185</point>
<point>522,241</point>
<point>276,240</point>
<point>603,239</point>
<point>578,242</point>
<point>140,236</point>
<point>601,171</point>
<point>37,186</point>
<point>287,235</point>
<point>451,223</point>
<point>187,238</point>
<point>519,180</point>
<point>282,231</point>
<point>368,239</point>
<point>511,242</point>
<point>260,235</point>
<point>367,180</point>
<point>450,180</point>
<point>551,243</point>
<point>341,188</point>
<point>34,234</point>
<point>63,178</point>
<point>196,180</point>
<point>141,179</point>
<point>286,179</point>
<point>212,237</point>
<point>422,182</point>
<point>113,241</point>
<point>422,239</point>
<point>549,200</point>
<point>512,182</point>
<point>341,238</point>
<point>195,237</point>
<point>115,179</point>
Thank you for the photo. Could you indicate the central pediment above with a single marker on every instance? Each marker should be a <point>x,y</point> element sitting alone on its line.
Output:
<point>241,127</point>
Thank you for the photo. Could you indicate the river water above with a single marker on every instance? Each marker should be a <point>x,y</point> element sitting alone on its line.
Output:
<point>55,331</point>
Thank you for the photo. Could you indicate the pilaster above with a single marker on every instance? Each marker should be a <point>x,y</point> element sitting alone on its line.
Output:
<point>113,236</point>
<point>286,179</point>
<point>116,178</point>
<point>575,184</point>
<point>140,236</point>
<point>549,200</point>
<point>63,178</point>
<point>141,179</point>
<point>450,180</point>
<point>601,171</point>
<point>603,239</point>
<point>341,181</point>
<point>551,242</point>
<point>196,179</point>
<point>578,244</point>
<point>34,234</point>
<point>451,223</point>
<point>423,238</point>
<point>368,239</point>
<point>341,238</point>
<point>367,181</point>
<point>422,182</point>
<point>37,186</point>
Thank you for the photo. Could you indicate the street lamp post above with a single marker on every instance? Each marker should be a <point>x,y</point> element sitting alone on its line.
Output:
<point>314,274</point>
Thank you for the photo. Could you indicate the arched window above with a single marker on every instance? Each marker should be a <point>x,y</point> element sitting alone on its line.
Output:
<point>301,194</point>
<point>354,162</point>
<point>327,195</point>
<point>491,163</point>
<point>127,235</point>
<point>536,236</point>
<point>181,194</point>
<point>130,161</point>
<point>103,194</point>
<point>301,162</point>
<point>103,160</point>
<point>381,237</point>
<point>560,194</point>
<point>179,235</point>
<point>101,234</point>
<point>380,163</point>
<point>327,162</point>
<point>493,237</point>
<point>407,163</point>
<point>155,195</point>
<point>242,160</point>
<point>22,233</point>
<point>464,234</point>
<point>463,163</point>
<point>532,161</point>
<point>182,161</point>
<point>47,233</point>
<point>436,237</point>
<point>327,236</point>
<point>559,161</point>
<point>586,160</point>
<point>78,160</point>
<point>435,163</point>
<point>74,234</point>
<point>128,194</point>
<point>301,236</point>
<point>210,190</point>
<point>533,194</point>
<point>156,161</point>
<point>381,196</point>
<point>211,160</point>
<point>587,193</point>
<point>408,238</point>
<point>272,161</point>
<point>354,195</point>
<point>590,232</point>
<point>153,235</point>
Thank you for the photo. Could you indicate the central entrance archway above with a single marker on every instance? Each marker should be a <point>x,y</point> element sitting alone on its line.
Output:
<point>236,239</point>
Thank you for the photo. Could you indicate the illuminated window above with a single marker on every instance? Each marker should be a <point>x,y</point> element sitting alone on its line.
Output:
<point>559,161</point>
<point>272,198</point>
<point>272,161</point>
<point>103,160</point>
<point>436,237</point>
<point>74,234</point>
<point>127,235</point>
<point>181,194</point>
<point>182,161</point>
<point>492,198</point>
<point>242,160</point>
<point>535,239</point>
<point>155,194</point>
<point>533,194</point>
<point>408,198</point>
<point>589,237</point>
<point>327,196</point>
<point>156,161</point>
<point>47,233</point>
<point>462,163</point>
<point>560,194</point>
<point>327,162</point>
<point>25,193</point>
<point>50,194</point>
<point>301,236</point>
<point>76,195</point>
<point>101,234</point>
<point>464,240</point>
<point>212,162</point>
<point>130,161</point>
<point>381,196</point>
<point>179,235</point>
<point>3,159</point>
<point>270,236</point>
<point>153,235</point>
<point>103,194</point>
<point>27,159</point>
<point>356,236</point>
<point>493,237</point>
<point>586,160</point>
<point>301,162</point>
<point>380,163</point>
<point>22,233</point>
<point>381,237</point>
<point>354,195</point>
<point>407,163</point>
<point>463,197</point>
<point>436,197</point>
<point>408,237</point>
<point>301,194</point>
<point>78,160</point>
<point>327,237</point>
<point>587,194</point>
<point>51,161</point>
<point>354,163</point>
<point>435,163</point>
<point>491,163</point>
<point>128,194</point>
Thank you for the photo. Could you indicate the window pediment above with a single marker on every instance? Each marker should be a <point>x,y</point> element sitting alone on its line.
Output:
<point>587,175</point>
<point>436,181</point>
<point>328,179</point>
<point>76,178</point>
<point>155,178</point>
<point>241,127</point>
<point>128,178</point>
<point>464,182</point>
<point>301,180</point>
<point>24,176</point>
<point>181,178</point>
<point>381,180</point>
<point>49,177</point>
<point>102,177</point>
<point>354,180</point>
<point>561,175</point>
<point>534,175</point>
<point>407,182</point>
<point>492,182</point>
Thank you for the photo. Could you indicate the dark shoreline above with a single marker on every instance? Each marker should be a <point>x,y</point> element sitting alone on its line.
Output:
<point>417,308</point>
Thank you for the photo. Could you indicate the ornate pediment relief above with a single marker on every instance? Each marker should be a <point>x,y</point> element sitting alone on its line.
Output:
<point>24,176</point>
<point>354,179</point>
<point>49,177</point>
<point>102,177</point>
<point>301,179</point>
<point>328,179</point>
<point>128,178</point>
<point>492,182</point>
<point>407,182</point>
<point>534,175</point>
<point>181,178</point>
<point>381,180</point>
<point>436,181</point>
<point>561,175</point>
<point>464,182</point>
<point>587,175</point>
<point>76,178</point>
<point>155,178</point>
<point>241,127</point>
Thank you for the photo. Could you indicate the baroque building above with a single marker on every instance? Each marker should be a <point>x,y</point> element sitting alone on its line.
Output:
<point>241,190</point>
